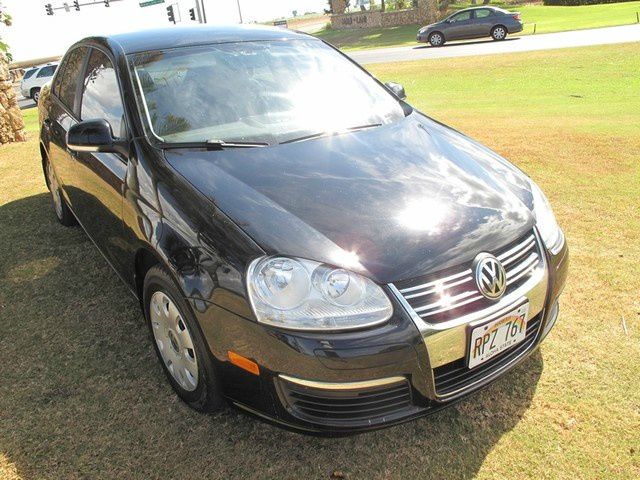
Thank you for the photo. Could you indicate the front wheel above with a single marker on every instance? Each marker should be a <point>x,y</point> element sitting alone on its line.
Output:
<point>499,33</point>
<point>179,343</point>
<point>436,39</point>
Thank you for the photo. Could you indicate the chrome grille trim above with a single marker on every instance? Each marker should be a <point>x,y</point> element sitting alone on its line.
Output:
<point>457,290</point>
<point>447,341</point>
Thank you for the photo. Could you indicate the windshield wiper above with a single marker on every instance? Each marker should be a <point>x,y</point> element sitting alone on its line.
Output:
<point>328,133</point>
<point>220,144</point>
<point>215,144</point>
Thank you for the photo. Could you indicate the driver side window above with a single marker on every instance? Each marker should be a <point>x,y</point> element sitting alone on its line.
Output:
<point>462,16</point>
<point>101,95</point>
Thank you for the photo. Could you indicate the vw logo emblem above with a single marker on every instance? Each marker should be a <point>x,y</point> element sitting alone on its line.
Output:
<point>490,276</point>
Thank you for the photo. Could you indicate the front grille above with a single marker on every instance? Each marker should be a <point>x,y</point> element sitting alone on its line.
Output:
<point>453,292</point>
<point>347,406</point>
<point>456,375</point>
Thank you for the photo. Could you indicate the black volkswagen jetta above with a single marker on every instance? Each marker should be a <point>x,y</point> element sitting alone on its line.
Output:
<point>304,243</point>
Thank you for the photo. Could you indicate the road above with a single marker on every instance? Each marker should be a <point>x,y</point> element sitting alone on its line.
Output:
<point>546,41</point>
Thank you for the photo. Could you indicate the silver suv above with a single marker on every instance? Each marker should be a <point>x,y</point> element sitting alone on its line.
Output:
<point>35,78</point>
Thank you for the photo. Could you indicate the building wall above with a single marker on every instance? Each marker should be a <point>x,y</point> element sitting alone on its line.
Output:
<point>426,12</point>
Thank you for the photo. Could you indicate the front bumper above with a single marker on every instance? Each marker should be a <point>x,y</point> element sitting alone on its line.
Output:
<point>361,380</point>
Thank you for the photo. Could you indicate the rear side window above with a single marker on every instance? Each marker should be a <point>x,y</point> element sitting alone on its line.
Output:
<point>29,73</point>
<point>483,13</point>
<point>46,71</point>
<point>66,84</point>
<point>101,95</point>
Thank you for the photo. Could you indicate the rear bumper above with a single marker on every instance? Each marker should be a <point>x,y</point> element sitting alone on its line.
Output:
<point>518,27</point>
<point>336,384</point>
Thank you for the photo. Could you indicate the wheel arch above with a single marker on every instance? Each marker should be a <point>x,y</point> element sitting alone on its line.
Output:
<point>44,158</point>
<point>506,29</point>
<point>145,259</point>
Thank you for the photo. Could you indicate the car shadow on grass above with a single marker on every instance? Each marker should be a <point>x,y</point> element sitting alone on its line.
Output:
<point>84,396</point>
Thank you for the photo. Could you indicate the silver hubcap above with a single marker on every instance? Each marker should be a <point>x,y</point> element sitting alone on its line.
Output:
<point>174,341</point>
<point>55,190</point>
<point>36,96</point>
<point>436,39</point>
<point>499,33</point>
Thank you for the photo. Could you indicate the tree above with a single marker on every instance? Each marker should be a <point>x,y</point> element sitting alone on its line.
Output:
<point>11,121</point>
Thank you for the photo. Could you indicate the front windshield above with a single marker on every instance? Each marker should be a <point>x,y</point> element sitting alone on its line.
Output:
<point>262,91</point>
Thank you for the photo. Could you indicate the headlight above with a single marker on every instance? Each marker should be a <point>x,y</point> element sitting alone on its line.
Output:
<point>548,227</point>
<point>423,29</point>
<point>305,295</point>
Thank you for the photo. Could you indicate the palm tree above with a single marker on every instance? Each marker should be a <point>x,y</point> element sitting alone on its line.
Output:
<point>11,121</point>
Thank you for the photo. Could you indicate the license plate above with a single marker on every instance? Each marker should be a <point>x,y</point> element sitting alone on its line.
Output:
<point>490,339</point>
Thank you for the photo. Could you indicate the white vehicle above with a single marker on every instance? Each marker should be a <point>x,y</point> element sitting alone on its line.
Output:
<point>35,78</point>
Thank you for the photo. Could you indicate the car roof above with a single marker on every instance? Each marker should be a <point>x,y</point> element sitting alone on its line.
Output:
<point>172,37</point>
<point>480,7</point>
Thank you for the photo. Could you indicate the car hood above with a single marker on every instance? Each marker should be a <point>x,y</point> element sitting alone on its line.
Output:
<point>432,25</point>
<point>394,202</point>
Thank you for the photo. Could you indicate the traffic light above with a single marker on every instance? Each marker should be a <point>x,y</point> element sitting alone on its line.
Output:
<point>192,14</point>
<point>76,4</point>
<point>170,14</point>
<point>49,9</point>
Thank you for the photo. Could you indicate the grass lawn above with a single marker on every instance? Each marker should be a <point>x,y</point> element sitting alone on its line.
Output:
<point>547,19</point>
<point>30,116</point>
<point>84,397</point>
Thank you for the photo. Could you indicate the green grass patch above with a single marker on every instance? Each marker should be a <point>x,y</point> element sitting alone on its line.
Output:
<point>547,20</point>
<point>83,395</point>
<point>30,116</point>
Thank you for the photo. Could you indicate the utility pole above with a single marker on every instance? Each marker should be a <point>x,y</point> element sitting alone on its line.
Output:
<point>204,14</point>
<point>239,11</point>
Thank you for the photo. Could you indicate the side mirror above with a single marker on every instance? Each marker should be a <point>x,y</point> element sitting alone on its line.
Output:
<point>396,89</point>
<point>95,136</point>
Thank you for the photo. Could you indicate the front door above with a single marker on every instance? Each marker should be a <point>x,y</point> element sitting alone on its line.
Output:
<point>460,26</point>
<point>95,183</point>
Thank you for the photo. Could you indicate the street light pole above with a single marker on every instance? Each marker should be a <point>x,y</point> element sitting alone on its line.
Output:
<point>239,11</point>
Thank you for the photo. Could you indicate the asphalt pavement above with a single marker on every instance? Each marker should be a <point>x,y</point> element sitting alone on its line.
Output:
<point>527,43</point>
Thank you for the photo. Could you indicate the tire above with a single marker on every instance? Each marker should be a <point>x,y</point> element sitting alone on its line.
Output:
<point>179,343</point>
<point>499,32</point>
<point>35,94</point>
<point>436,39</point>
<point>60,207</point>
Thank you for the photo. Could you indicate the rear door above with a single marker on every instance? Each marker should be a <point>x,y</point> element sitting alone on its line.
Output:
<point>96,182</point>
<point>482,22</point>
<point>460,26</point>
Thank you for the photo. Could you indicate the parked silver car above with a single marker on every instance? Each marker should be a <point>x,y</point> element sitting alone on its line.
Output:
<point>472,23</point>
<point>35,78</point>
